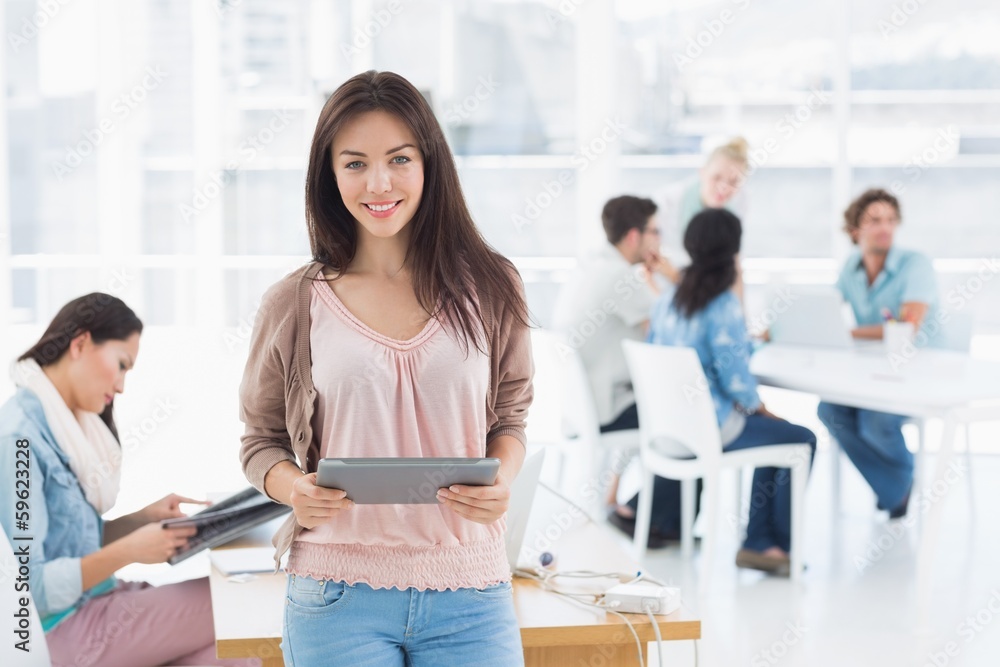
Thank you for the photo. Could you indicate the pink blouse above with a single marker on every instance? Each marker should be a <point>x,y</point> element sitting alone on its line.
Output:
<point>381,397</point>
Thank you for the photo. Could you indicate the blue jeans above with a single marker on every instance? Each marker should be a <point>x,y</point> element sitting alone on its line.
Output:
<point>874,442</point>
<point>330,623</point>
<point>770,521</point>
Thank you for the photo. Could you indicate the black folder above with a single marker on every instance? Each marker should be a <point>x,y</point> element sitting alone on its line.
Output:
<point>225,520</point>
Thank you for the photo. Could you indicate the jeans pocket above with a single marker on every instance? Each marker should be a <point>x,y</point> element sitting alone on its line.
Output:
<point>316,596</point>
<point>496,593</point>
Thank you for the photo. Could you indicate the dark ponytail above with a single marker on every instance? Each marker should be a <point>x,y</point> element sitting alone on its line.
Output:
<point>712,239</point>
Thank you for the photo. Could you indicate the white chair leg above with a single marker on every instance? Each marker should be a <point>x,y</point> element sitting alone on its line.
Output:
<point>799,474</point>
<point>709,514</point>
<point>688,500</point>
<point>834,479</point>
<point>967,434</point>
<point>920,456</point>
<point>643,516</point>
<point>739,502</point>
<point>601,463</point>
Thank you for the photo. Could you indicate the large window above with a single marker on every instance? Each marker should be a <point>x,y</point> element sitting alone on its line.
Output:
<point>168,138</point>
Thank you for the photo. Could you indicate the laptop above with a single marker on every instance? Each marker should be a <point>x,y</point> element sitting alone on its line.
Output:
<point>522,495</point>
<point>812,317</point>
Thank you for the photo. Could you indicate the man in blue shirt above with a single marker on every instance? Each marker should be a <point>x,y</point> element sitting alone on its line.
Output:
<point>881,280</point>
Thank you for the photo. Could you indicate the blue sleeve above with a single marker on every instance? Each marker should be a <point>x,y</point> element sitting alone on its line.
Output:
<point>55,584</point>
<point>657,320</point>
<point>730,347</point>
<point>920,282</point>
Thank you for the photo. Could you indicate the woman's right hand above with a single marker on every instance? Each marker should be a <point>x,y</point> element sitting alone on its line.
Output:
<point>152,543</point>
<point>315,505</point>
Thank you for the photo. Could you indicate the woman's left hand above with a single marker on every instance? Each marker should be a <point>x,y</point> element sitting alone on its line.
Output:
<point>167,507</point>
<point>482,504</point>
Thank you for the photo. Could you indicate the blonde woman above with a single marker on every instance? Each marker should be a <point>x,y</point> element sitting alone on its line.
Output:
<point>718,185</point>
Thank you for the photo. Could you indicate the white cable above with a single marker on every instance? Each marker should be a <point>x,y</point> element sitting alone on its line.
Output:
<point>656,630</point>
<point>573,597</point>
<point>695,653</point>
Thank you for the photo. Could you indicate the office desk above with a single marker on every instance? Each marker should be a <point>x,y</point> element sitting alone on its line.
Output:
<point>931,384</point>
<point>555,632</point>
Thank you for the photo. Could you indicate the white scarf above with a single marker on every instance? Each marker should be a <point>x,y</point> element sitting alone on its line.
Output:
<point>95,456</point>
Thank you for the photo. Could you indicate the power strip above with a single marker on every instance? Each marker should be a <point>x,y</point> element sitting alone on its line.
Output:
<point>640,596</point>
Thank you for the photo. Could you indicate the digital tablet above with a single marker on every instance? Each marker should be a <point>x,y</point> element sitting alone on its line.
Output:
<point>403,481</point>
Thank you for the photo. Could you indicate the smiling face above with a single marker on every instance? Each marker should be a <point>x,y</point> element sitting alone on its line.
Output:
<point>877,227</point>
<point>97,371</point>
<point>721,178</point>
<point>379,172</point>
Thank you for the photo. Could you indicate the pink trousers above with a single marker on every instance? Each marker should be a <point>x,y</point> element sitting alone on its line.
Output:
<point>140,625</point>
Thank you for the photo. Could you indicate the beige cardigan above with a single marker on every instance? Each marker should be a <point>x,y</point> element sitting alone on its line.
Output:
<point>277,397</point>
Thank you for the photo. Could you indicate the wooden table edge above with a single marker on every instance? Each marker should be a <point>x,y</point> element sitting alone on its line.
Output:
<point>610,634</point>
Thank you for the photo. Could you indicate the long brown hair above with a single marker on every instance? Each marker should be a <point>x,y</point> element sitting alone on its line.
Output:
<point>106,317</point>
<point>448,257</point>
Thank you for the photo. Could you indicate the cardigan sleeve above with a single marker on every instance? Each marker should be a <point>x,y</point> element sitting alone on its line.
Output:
<point>266,441</point>
<point>513,389</point>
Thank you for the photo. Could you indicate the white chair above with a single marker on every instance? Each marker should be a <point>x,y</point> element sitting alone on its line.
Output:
<point>957,337</point>
<point>563,414</point>
<point>680,439</point>
<point>38,656</point>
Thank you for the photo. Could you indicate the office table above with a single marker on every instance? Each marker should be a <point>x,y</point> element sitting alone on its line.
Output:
<point>555,631</point>
<point>930,384</point>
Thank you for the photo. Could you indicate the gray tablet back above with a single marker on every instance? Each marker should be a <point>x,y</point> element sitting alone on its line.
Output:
<point>406,481</point>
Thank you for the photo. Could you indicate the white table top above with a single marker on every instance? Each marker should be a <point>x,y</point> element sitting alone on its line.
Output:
<point>924,384</point>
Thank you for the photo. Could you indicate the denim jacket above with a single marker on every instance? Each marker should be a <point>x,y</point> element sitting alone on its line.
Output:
<point>718,333</point>
<point>65,527</point>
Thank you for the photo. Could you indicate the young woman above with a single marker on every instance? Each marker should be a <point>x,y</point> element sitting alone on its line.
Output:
<point>407,336</point>
<point>59,444</point>
<point>705,313</point>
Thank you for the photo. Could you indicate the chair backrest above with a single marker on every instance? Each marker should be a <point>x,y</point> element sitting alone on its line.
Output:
<point>563,406</point>
<point>11,611</point>
<point>676,412</point>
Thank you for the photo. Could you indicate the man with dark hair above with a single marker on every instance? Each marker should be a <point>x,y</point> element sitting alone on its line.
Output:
<point>608,300</point>
<point>882,281</point>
